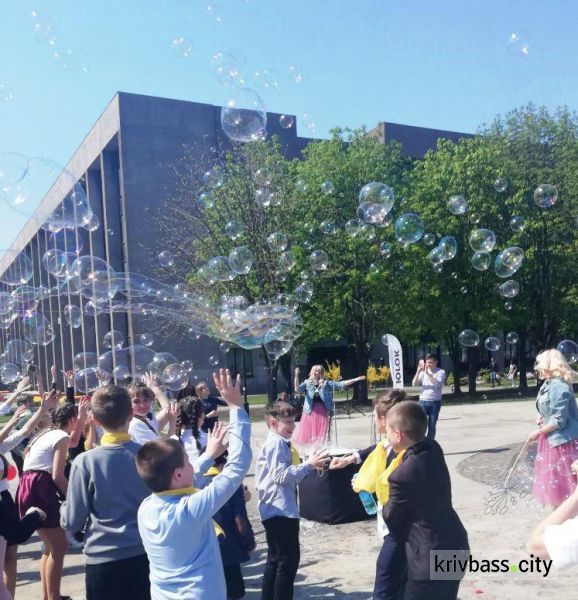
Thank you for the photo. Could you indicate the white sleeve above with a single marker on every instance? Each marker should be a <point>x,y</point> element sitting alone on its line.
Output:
<point>5,409</point>
<point>11,442</point>
<point>561,541</point>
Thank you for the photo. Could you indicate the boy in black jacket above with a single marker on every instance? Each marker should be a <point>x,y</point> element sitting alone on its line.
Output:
<point>419,511</point>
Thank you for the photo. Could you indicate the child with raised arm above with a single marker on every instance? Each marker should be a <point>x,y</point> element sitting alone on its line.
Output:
<point>277,473</point>
<point>175,522</point>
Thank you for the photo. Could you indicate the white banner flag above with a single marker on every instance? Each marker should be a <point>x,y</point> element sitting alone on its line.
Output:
<point>395,361</point>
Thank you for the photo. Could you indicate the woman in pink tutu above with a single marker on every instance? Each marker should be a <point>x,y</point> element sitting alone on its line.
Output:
<point>557,434</point>
<point>313,429</point>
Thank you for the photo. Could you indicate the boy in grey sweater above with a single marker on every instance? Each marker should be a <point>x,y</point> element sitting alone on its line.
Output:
<point>105,490</point>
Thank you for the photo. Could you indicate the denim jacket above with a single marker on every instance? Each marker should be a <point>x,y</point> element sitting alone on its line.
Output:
<point>325,389</point>
<point>556,404</point>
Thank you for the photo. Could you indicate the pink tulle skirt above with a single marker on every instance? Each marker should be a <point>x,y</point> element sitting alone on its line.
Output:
<point>554,480</point>
<point>313,429</point>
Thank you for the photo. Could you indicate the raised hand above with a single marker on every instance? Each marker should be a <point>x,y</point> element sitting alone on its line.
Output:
<point>230,392</point>
<point>83,407</point>
<point>216,440</point>
<point>49,401</point>
<point>23,384</point>
<point>318,458</point>
<point>19,412</point>
<point>68,376</point>
<point>340,462</point>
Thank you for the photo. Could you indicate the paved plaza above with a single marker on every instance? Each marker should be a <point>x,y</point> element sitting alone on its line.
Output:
<point>338,561</point>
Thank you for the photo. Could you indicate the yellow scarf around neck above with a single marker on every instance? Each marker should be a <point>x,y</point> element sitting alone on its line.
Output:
<point>295,458</point>
<point>113,438</point>
<point>373,477</point>
<point>189,491</point>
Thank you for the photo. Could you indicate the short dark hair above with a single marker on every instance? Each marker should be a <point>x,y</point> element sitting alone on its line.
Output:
<point>279,410</point>
<point>156,462</point>
<point>111,406</point>
<point>141,388</point>
<point>410,418</point>
<point>385,400</point>
<point>431,357</point>
<point>62,413</point>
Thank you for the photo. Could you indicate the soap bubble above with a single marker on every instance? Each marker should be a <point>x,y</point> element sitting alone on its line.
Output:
<point>166,259</point>
<point>512,337</point>
<point>569,349</point>
<point>25,299</point>
<point>409,228</point>
<point>213,361</point>
<point>121,373</point>
<point>18,352</point>
<point>113,339</point>
<point>457,205</point>
<point>371,212</point>
<point>482,240</point>
<point>385,249</point>
<point>6,303</point>
<point>241,260</point>
<point>436,256</point>
<point>500,185</point>
<point>475,218</point>
<point>319,260</point>
<point>182,47</point>
<point>328,227</point>
<point>206,200</point>
<point>287,261</point>
<point>481,261</point>
<point>508,261</point>
<point>263,197</point>
<point>89,380</point>
<point>286,121</point>
<point>492,344</point>
<point>263,177</point>
<point>464,289</point>
<point>220,270</point>
<point>518,46</point>
<point>213,178</point>
<point>429,239</point>
<point>58,262</point>
<point>310,122</point>
<point>377,193</point>
<point>9,373</point>
<point>234,230</point>
<point>160,362</point>
<point>294,74</point>
<point>267,79</point>
<point>509,289</point>
<point>73,315</point>
<point>374,268</point>
<point>146,339</point>
<point>93,223</point>
<point>508,305</point>
<point>277,241</point>
<point>85,360</point>
<point>244,118</point>
<point>301,186</point>
<point>224,347</point>
<point>545,195</point>
<point>13,168</point>
<point>327,188</point>
<point>67,240</point>
<point>42,28</point>
<point>352,227</point>
<point>448,247</point>
<point>6,92</point>
<point>517,224</point>
<point>193,334</point>
<point>93,278</point>
<point>228,68</point>
<point>20,269</point>
<point>37,329</point>
<point>469,338</point>
<point>304,292</point>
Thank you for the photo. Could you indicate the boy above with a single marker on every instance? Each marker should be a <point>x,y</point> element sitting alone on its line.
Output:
<point>277,472</point>
<point>419,511</point>
<point>105,489</point>
<point>175,521</point>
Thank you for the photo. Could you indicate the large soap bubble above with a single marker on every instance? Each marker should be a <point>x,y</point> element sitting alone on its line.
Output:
<point>73,315</point>
<point>20,269</point>
<point>409,228</point>
<point>136,359</point>
<point>18,352</point>
<point>93,278</point>
<point>468,338</point>
<point>481,261</point>
<point>371,212</point>
<point>9,373</point>
<point>241,260</point>
<point>89,380</point>
<point>569,349</point>
<point>448,247</point>
<point>500,185</point>
<point>458,205</point>
<point>377,193</point>
<point>482,240</point>
<point>319,260</point>
<point>25,299</point>
<point>512,337</point>
<point>113,339</point>
<point>67,240</point>
<point>277,241</point>
<point>37,329</point>
<point>352,227</point>
<point>492,344</point>
<point>517,224</point>
<point>13,168</point>
<point>243,117</point>
<point>545,195</point>
<point>219,269</point>
<point>509,289</point>
<point>508,261</point>
<point>6,303</point>
<point>234,229</point>
<point>85,360</point>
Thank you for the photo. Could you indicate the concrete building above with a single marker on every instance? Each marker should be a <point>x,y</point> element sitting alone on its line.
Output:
<point>122,164</point>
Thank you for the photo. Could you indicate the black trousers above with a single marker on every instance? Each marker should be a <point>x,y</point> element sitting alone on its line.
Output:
<point>282,558</point>
<point>235,581</point>
<point>390,571</point>
<point>119,579</point>
<point>431,590</point>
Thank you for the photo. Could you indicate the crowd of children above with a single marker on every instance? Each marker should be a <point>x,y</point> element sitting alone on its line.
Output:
<point>160,501</point>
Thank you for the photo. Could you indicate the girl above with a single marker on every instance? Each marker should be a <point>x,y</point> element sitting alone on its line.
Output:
<point>42,484</point>
<point>557,434</point>
<point>313,429</point>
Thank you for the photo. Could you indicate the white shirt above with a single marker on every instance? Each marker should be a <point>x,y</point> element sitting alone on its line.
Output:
<point>432,390</point>
<point>40,454</point>
<point>141,433</point>
<point>190,444</point>
<point>561,541</point>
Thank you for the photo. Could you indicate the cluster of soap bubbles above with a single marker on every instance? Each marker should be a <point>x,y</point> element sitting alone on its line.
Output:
<point>468,338</point>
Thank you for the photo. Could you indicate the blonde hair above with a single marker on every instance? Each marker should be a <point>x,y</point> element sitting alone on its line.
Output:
<point>551,363</point>
<point>321,369</point>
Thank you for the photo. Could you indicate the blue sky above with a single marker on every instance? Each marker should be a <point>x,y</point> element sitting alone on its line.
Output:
<point>446,64</point>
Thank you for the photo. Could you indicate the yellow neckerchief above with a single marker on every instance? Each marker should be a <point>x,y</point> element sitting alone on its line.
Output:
<point>295,458</point>
<point>189,491</point>
<point>113,438</point>
<point>212,471</point>
<point>373,476</point>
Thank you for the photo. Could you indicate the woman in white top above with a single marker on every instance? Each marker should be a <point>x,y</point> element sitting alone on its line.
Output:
<point>43,484</point>
<point>145,426</point>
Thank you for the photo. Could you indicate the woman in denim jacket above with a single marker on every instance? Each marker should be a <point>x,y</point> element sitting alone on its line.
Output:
<point>557,434</point>
<point>313,429</point>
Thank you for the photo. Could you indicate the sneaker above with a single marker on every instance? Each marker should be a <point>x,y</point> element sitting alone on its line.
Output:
<point>73,543</point>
